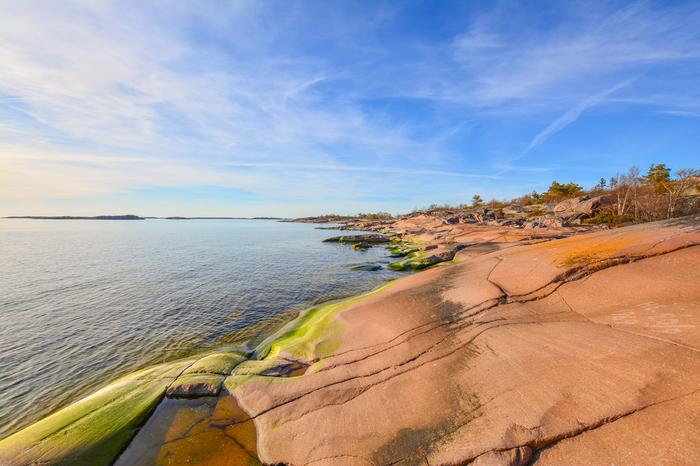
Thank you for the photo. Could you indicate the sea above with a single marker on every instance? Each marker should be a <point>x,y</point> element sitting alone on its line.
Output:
<point>83,302</point>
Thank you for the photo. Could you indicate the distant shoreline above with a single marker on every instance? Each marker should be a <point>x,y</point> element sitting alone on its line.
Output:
<point>132,217</point>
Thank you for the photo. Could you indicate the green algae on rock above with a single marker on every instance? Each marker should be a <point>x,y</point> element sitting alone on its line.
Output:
<point>420,260</point>
<point>366,267</point>
<point>312,335</point>
<point>217,363</point>
<point>195,385</point>
<point>96,428</point>
<point>373,238</point>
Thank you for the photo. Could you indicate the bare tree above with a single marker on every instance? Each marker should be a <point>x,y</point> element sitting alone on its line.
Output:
<point>685,178</point>
<point>625,191</point>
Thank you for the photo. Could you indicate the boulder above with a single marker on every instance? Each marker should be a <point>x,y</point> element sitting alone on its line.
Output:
<point>581,207</point>
<point>361,245</point>
<point>513,210</point>
<point>545,221</point>
<point>440,257</point>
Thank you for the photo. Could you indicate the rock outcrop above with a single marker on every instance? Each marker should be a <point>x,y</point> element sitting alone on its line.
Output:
<point>368,238</point>
<point>533,347</point>
<point>582,350</point>
<point>582,207</point>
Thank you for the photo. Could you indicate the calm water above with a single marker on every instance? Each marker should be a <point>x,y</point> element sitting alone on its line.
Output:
<point>82,302</point>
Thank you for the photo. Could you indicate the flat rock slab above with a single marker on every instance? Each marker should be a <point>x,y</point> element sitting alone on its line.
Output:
<point>373,238</point>
<point>195,385</point>
<point>204,431</point>
<point>529,349</point>
<point>219,363</point>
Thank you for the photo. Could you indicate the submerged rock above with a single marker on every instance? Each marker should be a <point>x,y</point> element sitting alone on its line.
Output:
<point>367,267</point>
<point>373,238</point>
<point>202,431</point>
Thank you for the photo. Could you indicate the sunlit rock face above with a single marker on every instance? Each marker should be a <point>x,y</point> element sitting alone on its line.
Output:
<point>524,350</point>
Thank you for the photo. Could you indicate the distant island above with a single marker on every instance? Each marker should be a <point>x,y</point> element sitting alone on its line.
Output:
<point>133,217</point>
<point>221,218</point>
<point>68,217</point>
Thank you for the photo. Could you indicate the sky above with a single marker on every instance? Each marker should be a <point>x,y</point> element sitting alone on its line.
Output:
<point>290,108</point>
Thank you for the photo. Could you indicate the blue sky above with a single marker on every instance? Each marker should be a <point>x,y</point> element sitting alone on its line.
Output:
<point>296,108</point>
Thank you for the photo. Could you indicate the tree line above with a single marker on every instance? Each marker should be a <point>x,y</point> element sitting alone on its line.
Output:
<point>631,196</point>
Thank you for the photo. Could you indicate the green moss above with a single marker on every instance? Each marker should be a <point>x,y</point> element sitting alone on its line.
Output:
<point>312,335</point>
<point>255,367</point>
<point>413,261</point>
<point>95,429</point>
<point>418,261</point>
<point>196,385</point>
<point>218,363</point>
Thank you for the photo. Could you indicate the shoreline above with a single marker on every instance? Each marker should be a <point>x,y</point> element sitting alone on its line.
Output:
<point>322,370</point>
<point>186,319</point>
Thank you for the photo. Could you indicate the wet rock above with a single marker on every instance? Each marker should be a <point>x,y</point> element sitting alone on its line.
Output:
<point>203,431</point>
<point>286,369</point>
<point>95,429</point>
<point>220,363</point>
<point>418,261</point>
<point>373,238</point>
<point>195,385</point>
<point>402,250</point>
<point>366,267</point>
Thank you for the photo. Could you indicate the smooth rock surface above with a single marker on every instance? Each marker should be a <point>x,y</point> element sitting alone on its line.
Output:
<point>195,385</point>
<point>514,349</point>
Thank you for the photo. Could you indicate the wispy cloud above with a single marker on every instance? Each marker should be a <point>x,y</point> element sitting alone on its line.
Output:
<point>572,115</point>
<point>362,100</point>
<point>356,168</point>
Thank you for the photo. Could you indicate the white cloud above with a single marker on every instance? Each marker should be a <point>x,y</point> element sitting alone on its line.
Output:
<point>98,98</point>
<point>572,115</point>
